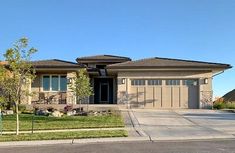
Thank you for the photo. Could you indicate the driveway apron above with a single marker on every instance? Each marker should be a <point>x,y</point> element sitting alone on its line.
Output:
<point>185,124</point>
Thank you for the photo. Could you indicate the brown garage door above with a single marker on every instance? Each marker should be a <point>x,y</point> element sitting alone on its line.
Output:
<point>171,93</point>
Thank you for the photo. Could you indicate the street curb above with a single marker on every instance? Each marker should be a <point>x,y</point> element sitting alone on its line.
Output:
<point>109,140</point>
<point>72,141</point>
<point>228,110</point>
<point>102,140</point>
<point>192,138</point>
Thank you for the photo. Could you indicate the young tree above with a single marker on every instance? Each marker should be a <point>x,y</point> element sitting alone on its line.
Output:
<point>16,81</point>
<point>4,96</point>
<point>81,86</point>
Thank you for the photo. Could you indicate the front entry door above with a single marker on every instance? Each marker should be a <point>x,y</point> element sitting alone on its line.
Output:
<point>104,92</point>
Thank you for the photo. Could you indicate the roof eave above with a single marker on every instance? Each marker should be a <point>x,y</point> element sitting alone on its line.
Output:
<point>167,67</point>
<point>58,67</point>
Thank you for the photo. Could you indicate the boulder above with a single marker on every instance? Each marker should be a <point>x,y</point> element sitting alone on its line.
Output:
<point>9,112</point>
<point>57,114</point>
<point>42,112</point>
<point>71,113</point>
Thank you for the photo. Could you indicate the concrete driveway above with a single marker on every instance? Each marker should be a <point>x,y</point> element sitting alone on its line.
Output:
<point>184,124</point>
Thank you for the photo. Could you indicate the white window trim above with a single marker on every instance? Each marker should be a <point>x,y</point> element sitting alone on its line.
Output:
<point>50,79</point>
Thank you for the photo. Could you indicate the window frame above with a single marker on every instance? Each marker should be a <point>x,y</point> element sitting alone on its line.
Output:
<point>50,82</point>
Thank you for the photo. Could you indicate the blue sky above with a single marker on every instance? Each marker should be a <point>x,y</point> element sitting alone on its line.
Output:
<point>65,29</point>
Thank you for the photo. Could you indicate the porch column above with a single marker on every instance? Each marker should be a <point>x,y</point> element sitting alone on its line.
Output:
<point>70,99</point>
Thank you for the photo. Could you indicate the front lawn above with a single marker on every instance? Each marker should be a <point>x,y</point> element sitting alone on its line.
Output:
<point>64,135</point>
<point>66,122</point>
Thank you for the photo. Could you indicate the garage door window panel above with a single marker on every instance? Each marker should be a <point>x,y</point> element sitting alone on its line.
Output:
<point>138,82</point>
<point>173,82</point>
<point>155,82</point>
<point>190,82</point>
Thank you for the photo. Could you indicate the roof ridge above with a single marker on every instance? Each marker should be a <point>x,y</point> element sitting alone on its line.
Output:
<point>131,61</point>
<point>65,61</point>
<point>107,55</point>
<point>186,60</point>
<point>163,62</point>
<point>117,56</point>
<point>55,60</point>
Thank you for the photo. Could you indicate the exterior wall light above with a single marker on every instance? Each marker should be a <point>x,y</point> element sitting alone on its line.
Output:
<point>123,80</point>
<point>69,80</point>
<point>195,83</point>
<point>206,81</point>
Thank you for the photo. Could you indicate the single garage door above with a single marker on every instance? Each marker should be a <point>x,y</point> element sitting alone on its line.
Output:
<point>165,93</point>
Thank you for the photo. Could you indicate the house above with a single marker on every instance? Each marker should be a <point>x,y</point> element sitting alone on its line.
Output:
<point>229,97</point>
<point>147,83</point>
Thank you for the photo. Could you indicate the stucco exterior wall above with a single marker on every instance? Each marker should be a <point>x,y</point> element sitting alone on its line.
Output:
<point>125,90</point>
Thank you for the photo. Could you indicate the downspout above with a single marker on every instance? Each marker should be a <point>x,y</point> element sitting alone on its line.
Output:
<point>218,73</point>
<point>212,79</point>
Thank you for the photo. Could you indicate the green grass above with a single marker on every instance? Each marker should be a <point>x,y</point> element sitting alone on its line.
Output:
<point>64,135</point>
<point>224,105</point>
<point>67,122</point>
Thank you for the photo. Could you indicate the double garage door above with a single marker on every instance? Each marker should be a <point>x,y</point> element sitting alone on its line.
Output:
<point>155,93</point>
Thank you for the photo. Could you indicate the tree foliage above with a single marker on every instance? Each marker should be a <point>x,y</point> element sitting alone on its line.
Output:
<point>17,74</point>
<point>81,85</point>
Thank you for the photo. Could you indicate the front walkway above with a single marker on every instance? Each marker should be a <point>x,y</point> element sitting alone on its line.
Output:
<point>183,124</point>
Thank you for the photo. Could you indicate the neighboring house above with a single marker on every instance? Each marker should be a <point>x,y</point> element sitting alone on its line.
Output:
<point>229,97</point>
<point>147,83</point>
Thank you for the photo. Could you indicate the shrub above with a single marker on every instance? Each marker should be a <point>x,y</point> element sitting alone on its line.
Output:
<point>219,105</point>
<point>21,108</point>
<point>230,105</point>
<point>223,105</point>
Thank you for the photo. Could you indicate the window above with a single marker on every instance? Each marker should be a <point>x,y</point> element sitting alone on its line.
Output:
<point>189,82</point>
<point>154,82</point>
<point>172,82</point>
<point>137,82</point>
<point>46,83</point>
<point>54,83</point>
<point>63,83</point>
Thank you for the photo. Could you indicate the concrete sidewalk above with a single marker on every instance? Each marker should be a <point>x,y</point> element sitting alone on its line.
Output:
<point>67,130</point>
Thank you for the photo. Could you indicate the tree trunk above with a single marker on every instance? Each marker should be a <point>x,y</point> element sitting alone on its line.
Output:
<point>80,105</point>
<point>17,119</point>
<point>87,108</point>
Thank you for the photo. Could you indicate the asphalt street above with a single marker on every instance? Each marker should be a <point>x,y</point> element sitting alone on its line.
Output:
<point>213,146</point>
